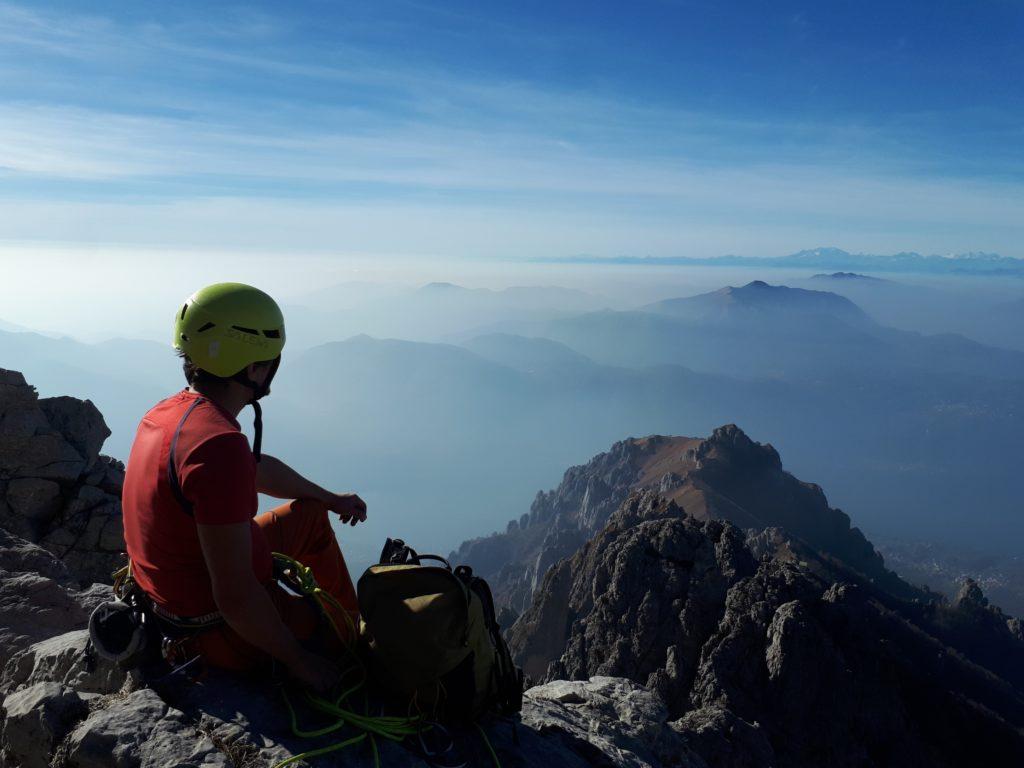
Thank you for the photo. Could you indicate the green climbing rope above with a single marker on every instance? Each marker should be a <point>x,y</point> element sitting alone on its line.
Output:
<point>487,743</point>
<point>370,727</point>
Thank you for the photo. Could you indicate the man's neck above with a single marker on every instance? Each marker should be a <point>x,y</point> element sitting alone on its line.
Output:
<point>231,397</point>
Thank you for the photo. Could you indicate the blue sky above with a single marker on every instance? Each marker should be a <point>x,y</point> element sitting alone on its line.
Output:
<point>506,130</point>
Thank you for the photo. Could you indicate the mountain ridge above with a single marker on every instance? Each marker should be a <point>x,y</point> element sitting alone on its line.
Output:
<point>725,476</point>
<point>765,661</point>
<point>758,296</point>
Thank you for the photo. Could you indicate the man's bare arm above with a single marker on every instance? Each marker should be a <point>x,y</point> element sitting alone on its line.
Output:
<point>277,479</point>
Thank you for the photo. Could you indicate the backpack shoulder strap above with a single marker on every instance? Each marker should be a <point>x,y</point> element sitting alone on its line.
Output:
<point>172,464</point>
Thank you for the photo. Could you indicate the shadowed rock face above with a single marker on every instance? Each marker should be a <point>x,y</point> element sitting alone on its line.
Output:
<point>808,662</point>
<point>724,477</point>
<point>56,490</point>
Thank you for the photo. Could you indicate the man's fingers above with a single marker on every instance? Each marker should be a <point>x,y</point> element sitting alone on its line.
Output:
<point>350,508</point>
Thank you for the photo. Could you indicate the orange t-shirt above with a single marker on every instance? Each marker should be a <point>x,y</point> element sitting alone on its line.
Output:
<point>217,475</point>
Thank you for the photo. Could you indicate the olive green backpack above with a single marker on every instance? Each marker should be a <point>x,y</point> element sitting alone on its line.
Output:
<point>432,638</point>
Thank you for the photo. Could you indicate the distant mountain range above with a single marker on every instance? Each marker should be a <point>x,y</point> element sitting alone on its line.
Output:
<point>766,331</point>
<point>919,434</point>
<point>434,312</point>
<point>974,262</point>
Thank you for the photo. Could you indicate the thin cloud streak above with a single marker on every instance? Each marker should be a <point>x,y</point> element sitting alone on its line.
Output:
<point>577,166</point>
<point>113,149</point>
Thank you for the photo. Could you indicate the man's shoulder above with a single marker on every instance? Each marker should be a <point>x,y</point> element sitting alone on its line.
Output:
<point>200,410</point>
<point>200,420</point>
<point>171,408</point>
<point>211,433</point>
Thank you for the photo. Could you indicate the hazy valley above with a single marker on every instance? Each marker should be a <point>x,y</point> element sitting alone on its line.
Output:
<point>914,434</point>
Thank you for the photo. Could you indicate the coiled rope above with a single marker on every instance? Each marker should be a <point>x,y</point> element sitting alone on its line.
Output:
<point>371,727</point>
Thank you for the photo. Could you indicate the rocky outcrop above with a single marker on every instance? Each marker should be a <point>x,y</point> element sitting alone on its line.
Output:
<point>788,660</point>
<point>66,659</point>
<point>607,585</point>
<point>38,597</point>
<point>37,719</point>
<point>56,490</point>
<point>227,721</point>
<point>608,721</point>
<point>726,476</point>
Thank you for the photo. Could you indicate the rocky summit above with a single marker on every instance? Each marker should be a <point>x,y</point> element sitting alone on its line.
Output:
<point>685,604</point>
<point>726,476</point>
<point>775,660</point>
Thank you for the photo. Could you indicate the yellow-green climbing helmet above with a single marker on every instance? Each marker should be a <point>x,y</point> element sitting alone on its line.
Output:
<point>226,326</point>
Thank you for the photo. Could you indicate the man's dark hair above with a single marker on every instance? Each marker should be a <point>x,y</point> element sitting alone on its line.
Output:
<point>196,375</point>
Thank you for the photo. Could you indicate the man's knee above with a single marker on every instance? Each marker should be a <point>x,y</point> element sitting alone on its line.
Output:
<point>309,508</point>
<point>313,514</point>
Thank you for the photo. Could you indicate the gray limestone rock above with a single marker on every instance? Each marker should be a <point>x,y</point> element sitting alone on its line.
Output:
<point>652,570</point>
<point>607,721</point>
<point>141,731</point>
<point>35,721</point>
<point>33,498</point>
<point>81,424</point>
<point>18,554</point>
<point>55,488</point>
<point>32,608</point>
<point>66,659</point>
<point>725,740</point>
<point>93,595</point>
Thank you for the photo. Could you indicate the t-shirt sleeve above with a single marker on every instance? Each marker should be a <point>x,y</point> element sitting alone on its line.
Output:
<point>219,477</point>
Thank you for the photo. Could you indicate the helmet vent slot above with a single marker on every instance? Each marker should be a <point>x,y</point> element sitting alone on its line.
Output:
<point>252,331</point>
<point>206,327</point>
<point>272,333</point>
<point>183,308</point>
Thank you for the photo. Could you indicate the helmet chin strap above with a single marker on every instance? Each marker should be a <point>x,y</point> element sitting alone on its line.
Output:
<point>257,431</point>
<point>259,391</point>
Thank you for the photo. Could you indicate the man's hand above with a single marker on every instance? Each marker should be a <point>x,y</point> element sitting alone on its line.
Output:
<point>350,508</point>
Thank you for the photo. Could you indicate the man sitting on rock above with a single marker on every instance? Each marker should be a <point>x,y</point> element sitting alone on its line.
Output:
<point>197,547</point>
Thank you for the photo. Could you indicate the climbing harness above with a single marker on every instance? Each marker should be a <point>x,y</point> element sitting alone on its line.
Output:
<point>136,633</point>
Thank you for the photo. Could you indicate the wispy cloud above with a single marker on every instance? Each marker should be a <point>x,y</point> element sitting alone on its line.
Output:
<point>249,138</point>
